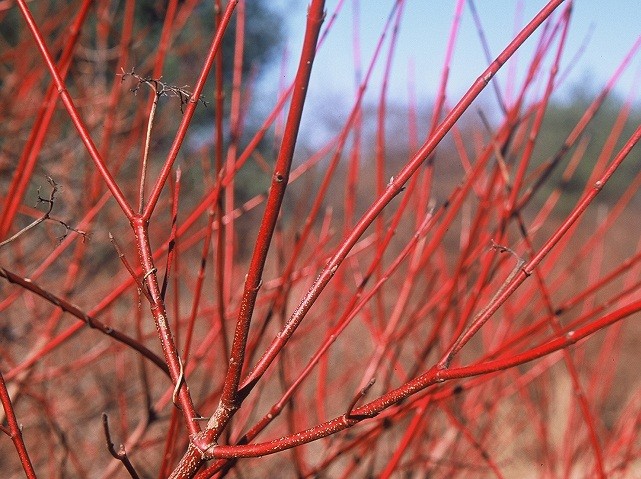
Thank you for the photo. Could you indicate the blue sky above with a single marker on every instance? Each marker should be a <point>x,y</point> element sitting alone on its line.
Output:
<point>609,27</point>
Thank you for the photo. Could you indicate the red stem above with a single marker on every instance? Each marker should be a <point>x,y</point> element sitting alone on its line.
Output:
<point>15,431</point>
<point>189,111</point>
<point>159,313</point>
<point>394,188</point>
<point>253,280</point>
<point>430,378</point>
<point>73,112</point>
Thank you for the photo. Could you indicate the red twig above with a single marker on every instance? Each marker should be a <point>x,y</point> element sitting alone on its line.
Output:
<point>189,111</point>
<point>394,188</point>
<point>73,112</point>
<point>15,430</point>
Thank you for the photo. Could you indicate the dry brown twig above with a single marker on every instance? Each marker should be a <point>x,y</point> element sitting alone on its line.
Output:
<point>55,187</point>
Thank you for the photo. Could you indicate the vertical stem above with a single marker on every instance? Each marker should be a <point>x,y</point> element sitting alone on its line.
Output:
<point>15,430</point>
<point>220,233</point>
<point>189,110</point>
<point>145,154</point>
<point>229,400</point>
<point>235,133</point>
<point>159,312</point>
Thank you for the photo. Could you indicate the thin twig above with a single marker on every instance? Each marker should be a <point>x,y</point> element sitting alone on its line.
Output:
<point>92,322</point>
<point>121,454</point>
<point>141,287</point>
<point>480,318</point>
<point>47,216</point>
<point>161,88</point>
<point>357,397</point>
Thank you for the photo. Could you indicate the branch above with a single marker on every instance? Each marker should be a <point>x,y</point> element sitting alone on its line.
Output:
<point>89,320</point>
<point>15,430</point>
<point>121,454</point>
<point>430,378</point>
<point>161,88</point>
<point>47,216</point>
<point>73,112</point>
